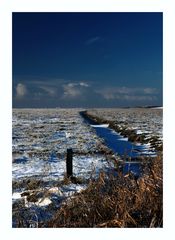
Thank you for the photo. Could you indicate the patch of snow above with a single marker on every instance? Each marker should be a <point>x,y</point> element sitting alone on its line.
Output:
<point>139,131</point>
<point>100,125</point>
<point>157,108</point>
<point>55,190</point>
<point>123,139</point>
<point>16,195</point>
<point>68,135</point>
<point>43,202</point>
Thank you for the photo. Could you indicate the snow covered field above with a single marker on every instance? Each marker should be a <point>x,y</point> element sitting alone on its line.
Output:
<point>41,138</point>
<point>147,122</point>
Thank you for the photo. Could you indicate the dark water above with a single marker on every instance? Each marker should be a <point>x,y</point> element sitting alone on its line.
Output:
<point>121,145</point>
<point>127,150</point>
<point>124,148</point>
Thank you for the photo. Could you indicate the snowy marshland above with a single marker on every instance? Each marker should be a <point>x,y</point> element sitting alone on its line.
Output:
<point>41,138</point>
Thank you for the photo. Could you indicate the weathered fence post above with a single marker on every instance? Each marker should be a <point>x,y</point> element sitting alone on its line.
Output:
<point>69,162</point>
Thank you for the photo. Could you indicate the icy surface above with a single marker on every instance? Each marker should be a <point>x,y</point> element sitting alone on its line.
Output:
<point>41,138</point>
<point>122,146</point>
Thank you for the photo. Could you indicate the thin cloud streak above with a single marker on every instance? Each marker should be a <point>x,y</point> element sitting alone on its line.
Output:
<point>92,40</point>
<point>49,90</point>
<point>129,94</point>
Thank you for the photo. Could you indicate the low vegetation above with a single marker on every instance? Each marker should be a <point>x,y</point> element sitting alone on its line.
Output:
<point>112,200</point>
<point>116,201</point>
<point>124,130</point>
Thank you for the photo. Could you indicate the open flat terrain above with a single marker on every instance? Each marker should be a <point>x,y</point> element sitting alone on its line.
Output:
<point>41,138</point>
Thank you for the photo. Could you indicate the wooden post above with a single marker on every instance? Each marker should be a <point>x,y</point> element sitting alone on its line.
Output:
<point>69,162</point>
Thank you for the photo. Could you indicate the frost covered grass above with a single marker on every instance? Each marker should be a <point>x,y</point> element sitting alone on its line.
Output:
<point>40,141</point>
<point>143,125</point>
<point>116,201</point>
<point>98,194</point>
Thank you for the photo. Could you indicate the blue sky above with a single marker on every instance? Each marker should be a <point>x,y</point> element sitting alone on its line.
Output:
<point>87,59</point>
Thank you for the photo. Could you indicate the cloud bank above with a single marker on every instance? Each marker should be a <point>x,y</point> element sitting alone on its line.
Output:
<point>74,90</point>
<point>70,93</point>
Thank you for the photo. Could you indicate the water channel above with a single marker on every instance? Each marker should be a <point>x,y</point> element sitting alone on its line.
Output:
<point>130,152</point>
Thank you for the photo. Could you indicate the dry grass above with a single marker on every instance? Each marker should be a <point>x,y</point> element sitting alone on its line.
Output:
<point>109,201</point>
<point>116,201</point>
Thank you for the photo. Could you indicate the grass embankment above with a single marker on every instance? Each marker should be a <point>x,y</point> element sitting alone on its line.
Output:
<point>116,201</point>
<point>125,131</point>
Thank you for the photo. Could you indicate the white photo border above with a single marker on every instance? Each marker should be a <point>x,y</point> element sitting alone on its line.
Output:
<point>10,6</point>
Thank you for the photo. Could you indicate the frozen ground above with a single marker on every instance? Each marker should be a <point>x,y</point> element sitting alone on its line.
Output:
<point>41,138</point>
<point>144,121</point>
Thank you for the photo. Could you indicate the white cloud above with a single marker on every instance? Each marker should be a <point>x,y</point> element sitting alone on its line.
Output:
<point>150,90</point>
<point>83,84</point>
<point>74,90</point>
<point>139,98</point>
<point>21,90</point>
<point>128,94</point>
<point>49,90</point>
<point>70,91</point>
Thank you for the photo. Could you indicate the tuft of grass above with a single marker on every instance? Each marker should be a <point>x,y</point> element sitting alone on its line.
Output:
<point>72,179</point>
<point>28,184</point>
